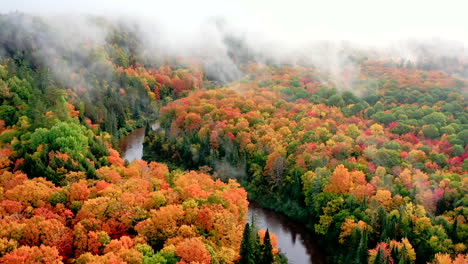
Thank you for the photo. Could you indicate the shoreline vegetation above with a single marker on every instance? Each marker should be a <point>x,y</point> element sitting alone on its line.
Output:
<point>374,163</point>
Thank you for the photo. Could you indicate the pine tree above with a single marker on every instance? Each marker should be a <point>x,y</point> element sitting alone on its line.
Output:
<point>380,258</point>
<point>403,256</point>
<point>453,232</point>
<point>353,244</point>
<point>267,254</point>
<point>362,252</point>
<point>250,247</point>
<point>246,248</point>
<point>255,245</point>
<point>386,227</point>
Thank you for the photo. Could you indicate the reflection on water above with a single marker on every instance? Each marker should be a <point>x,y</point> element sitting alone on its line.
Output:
<point>294,240</point>
<point>132,145</point>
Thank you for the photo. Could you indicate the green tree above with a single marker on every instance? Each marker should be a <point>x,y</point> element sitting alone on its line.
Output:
<point>380,257</point>
<point>384,118</point>
<point>435,118</point>
<point>431,131</point>
<point>336,100</point>
<point>362,253</point>
<point>267,254</point>
<point>463,135</point>
<point>386,157</point>
<point>66,137</point>
<point>246,250</point>
<point>400,129</point>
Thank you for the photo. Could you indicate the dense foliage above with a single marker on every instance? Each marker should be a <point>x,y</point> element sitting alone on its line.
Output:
<point>65,193</point>
<point>373,160</point>
<point>140,213</point>
<point>109,83</point>
<point>258,247</point>
<point>384,170</point>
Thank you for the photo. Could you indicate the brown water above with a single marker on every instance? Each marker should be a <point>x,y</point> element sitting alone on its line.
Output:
<point>294,240</point>
<point>132,145</point>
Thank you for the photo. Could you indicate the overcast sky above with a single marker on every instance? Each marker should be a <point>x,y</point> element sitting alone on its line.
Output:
<point>362,21</point>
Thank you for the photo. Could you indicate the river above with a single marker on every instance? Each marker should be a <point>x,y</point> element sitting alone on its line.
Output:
<point>294,240</point>
<point>132,145</point>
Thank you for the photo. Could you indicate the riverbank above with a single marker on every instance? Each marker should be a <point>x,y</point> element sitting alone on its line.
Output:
<point>294,239</point>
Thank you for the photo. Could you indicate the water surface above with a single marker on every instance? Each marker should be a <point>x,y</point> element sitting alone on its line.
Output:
<point>294,240</point>
<point>132,145</point>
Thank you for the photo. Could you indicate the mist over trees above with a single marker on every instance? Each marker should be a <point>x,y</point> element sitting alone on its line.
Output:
<point>366,147</point>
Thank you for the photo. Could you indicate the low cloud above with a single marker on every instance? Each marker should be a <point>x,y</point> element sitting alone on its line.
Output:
<point>219,33</point>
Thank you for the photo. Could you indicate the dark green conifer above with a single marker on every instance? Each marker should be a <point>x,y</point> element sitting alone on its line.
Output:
<point>380,258</point>
<point>361,256</point>
<point>267,254</point>
<point>353,244</point>
<point>245,250</point>
<point>255,245</point>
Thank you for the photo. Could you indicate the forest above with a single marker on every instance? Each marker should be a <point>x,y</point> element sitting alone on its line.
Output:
<point>374,164</point>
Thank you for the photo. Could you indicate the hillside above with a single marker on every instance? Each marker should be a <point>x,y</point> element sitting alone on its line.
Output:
<point>371,156</point>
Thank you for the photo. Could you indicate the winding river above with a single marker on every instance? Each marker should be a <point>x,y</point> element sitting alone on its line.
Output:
<point>132,145</point>
<point>294,240</point>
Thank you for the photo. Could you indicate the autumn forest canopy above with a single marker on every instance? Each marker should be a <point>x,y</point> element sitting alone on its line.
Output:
<point>365,148</point>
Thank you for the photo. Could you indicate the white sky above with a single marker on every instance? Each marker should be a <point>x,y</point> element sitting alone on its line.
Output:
<point>295,21</point>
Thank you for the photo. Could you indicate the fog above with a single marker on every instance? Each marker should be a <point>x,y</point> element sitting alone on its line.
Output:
<point>294,21</point>
<point>321,33</point>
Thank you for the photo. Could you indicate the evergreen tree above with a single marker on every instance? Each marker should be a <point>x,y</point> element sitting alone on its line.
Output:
<point>387,226</point>
<point>250,246</point>
<point>403,256</point>
<point>352,245</point>
<point>453,231</point>
<point>245,250</point>
<point>255,245</point>
<point>267,254</point>
<point>361,256</point>
<point>380,258</point>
